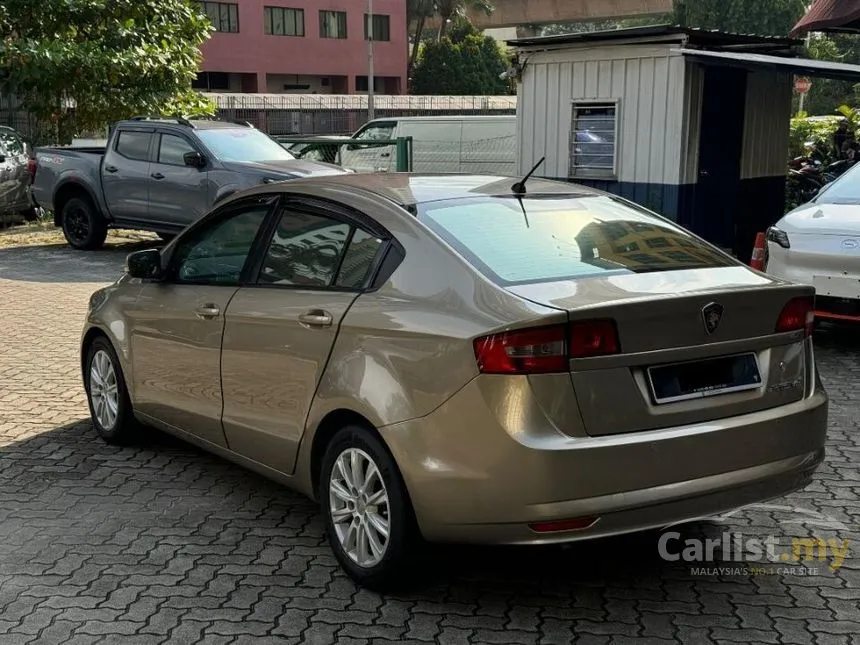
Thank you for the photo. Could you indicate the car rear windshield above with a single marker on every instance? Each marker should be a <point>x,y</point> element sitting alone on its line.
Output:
<point>243,144</point>
<point>547,238</point>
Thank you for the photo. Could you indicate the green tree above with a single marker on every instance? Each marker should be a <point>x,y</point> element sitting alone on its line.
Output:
<point>449,10</point>
<point>112,58</point>
<point>762,17</point>
<point>464,63</point>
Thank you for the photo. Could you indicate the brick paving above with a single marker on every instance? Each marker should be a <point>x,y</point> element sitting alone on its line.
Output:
<point>162,543</point>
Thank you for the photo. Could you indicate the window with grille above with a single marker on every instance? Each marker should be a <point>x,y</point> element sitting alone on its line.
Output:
<point>282,21</point>
<point>332,24</point>
<point>381,27</point>
<point>593,139</point>
<point>224,16</point>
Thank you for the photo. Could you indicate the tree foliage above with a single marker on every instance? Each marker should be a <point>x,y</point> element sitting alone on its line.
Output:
<point>761,17</point>
<point>111,58</point>
<point>466,62</point>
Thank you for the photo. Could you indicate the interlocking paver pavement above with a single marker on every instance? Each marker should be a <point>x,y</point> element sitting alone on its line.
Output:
<point>162,543</point>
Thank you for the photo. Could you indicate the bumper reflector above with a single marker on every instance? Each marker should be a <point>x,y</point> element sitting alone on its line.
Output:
<point>576,524</point>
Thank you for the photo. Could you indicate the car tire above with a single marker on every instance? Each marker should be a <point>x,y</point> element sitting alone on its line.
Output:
<point>107,395</point>
<point>83,226</point>
<point>359,520</point>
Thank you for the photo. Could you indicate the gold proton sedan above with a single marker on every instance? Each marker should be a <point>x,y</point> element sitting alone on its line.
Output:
<point>463,359</point>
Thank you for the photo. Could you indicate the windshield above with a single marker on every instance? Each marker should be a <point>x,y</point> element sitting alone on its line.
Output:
<point>558,237</point>
<point>844,190</point>
<point>243,144</point>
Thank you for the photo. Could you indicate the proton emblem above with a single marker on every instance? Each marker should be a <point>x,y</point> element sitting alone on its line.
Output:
<point>712,314</point>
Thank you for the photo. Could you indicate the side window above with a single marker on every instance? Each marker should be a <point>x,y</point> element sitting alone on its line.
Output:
<point>358,261</point>
<point>133,145</point>
<point>172,150</point>
<point>381,132</point>
<point>217,254</point>
<point>305,250</point>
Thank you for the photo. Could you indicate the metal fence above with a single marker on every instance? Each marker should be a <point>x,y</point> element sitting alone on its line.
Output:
<point>298,114</point>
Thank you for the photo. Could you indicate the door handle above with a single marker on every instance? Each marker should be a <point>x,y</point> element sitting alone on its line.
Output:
<point>157,175</point>
<point>385,154</point>
<point>111,168</point>
<point>316,318</point>
<point>208,311</point>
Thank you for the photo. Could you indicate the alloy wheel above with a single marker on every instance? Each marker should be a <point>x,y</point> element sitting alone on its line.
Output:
<point>104,390</point>
<point>359,507</point>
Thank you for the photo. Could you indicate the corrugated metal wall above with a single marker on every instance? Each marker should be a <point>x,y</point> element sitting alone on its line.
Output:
<point>648,83</point>
<point>766,135</point>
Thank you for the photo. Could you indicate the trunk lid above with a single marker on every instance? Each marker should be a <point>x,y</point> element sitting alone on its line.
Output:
<point>661,321</point>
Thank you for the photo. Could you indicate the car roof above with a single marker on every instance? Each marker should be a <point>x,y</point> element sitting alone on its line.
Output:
<point>197,124</point>
<point>409,189</point>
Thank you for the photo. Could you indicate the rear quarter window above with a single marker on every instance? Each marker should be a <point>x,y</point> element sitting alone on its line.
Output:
<point>547,238</point>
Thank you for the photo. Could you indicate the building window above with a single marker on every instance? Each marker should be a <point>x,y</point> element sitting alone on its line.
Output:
<point>332,24</point>
<point>593,135</point>
<point>211,81</point>
<point>223,15</point>
<point>281,21</point>
<point>381,27</point>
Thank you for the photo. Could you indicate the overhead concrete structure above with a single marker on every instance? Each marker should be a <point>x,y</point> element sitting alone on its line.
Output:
<point>511,13</point>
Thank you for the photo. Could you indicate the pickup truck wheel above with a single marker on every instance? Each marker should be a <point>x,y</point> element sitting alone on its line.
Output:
<point>83,226</point>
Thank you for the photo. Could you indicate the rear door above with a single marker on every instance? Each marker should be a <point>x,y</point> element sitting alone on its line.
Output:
<point>14,169</point>
<point>178,193</point>
<point>281,327</point>
<point>125,173</point>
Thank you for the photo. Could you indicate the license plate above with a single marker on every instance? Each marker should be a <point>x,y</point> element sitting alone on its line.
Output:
<point>836,286</point>
<point>701,379</point>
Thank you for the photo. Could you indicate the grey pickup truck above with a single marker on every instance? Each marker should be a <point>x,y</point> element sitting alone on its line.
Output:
<point>158,175</point>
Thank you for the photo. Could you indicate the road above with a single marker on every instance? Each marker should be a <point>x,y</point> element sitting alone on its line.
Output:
<point>162,543</point>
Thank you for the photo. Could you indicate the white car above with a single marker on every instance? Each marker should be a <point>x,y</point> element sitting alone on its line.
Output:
<point>819,244</point>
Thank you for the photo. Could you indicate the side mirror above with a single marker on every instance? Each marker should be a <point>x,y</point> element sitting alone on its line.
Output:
<point>194,159</point>
<point>145,265</point>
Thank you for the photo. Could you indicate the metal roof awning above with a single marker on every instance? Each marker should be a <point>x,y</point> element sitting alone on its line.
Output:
<point>830,15</point>
<point>799,66</point>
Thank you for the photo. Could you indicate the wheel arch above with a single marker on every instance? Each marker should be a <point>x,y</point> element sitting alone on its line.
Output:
<point>69,190</point>
<point>328,427</point>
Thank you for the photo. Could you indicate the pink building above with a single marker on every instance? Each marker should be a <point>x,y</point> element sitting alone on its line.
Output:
<point>303,47</point>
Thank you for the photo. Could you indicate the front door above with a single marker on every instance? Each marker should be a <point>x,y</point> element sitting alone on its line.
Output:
<point>720,150</point>
<point>280,330</point>
<point>178,193</point>
<point>364,158</point>
<point>176,325</point>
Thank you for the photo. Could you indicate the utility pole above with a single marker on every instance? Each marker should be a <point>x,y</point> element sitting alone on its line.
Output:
<point>371,78</point>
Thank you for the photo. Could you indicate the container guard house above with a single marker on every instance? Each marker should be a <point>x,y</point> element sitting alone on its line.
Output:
<point>692,124</point>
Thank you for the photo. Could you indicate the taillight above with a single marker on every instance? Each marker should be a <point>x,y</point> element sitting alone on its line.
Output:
<point>541,350</point>
<point>32,166</point>
<point>545,350</point>
<point>593,338</point>
<point>797,314</point>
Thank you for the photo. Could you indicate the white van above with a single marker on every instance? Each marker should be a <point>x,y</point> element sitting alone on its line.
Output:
<point>468,144</point>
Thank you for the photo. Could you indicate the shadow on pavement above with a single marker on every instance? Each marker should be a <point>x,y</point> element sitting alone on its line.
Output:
<point>59,263</point>
<point>167,513</point>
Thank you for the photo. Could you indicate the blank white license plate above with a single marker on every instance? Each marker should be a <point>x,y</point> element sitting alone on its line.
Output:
<point>836,287</point>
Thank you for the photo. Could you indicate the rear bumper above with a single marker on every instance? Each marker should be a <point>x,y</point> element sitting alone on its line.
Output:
<point>470,480</point>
